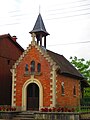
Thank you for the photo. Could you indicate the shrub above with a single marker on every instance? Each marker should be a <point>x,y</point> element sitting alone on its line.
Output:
<point>7,108</point>
<point>59,109</point>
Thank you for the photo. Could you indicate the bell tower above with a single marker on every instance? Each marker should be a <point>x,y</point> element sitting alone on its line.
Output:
<point>40,31</point>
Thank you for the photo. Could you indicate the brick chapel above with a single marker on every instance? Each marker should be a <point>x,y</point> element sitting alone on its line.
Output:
<point>42,78</point>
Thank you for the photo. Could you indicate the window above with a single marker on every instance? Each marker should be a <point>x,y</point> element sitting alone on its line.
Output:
<point>38,67</point>
<point>26,68</point>
<point>32,66</point>
<point>74,90</point>
<point>8,61</point>
<point>62,88</point>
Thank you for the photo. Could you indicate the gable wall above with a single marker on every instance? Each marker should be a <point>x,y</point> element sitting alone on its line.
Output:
<point>44,78</point>
<point>8,51</point>
<point>68,99</point>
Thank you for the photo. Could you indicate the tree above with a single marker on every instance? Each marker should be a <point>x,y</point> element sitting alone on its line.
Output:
<point>84,68</point>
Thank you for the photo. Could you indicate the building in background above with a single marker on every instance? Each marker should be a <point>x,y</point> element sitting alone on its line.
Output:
<point>10,51</point>
<point>42,78</point>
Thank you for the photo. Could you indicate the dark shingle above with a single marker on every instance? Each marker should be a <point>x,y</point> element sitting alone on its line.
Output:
<point>66,68</point>
<point>39,26</point>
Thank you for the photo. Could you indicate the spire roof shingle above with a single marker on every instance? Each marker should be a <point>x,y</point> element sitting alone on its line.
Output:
<point>39,26</point>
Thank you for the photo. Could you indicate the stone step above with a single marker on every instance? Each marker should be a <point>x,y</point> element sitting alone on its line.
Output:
<point>24,116</point>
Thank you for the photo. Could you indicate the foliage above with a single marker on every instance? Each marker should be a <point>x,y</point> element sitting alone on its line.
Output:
<point>7,108</point>
<point>83,66</point>
<point>59,109</point>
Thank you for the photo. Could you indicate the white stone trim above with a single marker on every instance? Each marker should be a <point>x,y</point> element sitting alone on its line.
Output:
<point>24,92</point>
<point>13,79</point>
<point>52,78</point>
<point>53,88</point>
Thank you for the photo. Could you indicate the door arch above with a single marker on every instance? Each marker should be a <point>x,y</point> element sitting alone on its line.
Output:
<point>32,97</point>
<point>24,92</point>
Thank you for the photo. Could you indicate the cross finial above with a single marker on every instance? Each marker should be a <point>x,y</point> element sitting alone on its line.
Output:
<point>33,42</point>
<point>33,36</point>
<point>39,8</point>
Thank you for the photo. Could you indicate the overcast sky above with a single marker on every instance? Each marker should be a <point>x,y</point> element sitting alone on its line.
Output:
<point>67,21</point>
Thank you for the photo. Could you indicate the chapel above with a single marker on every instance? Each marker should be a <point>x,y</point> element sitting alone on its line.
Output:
<point>42,78</point>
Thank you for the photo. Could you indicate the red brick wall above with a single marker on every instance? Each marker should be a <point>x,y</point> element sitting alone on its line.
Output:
<point>44,78</point>
<point>8,51</point>
<point>63,100</point>
<point>68,99</point>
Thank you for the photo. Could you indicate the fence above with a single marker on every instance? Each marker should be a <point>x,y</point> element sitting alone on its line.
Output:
<point>85,101</point>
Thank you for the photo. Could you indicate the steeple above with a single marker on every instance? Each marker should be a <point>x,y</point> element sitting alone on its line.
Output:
<point>40,31</point>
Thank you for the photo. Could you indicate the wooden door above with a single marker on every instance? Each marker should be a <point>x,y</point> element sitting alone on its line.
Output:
<point>32,97</point>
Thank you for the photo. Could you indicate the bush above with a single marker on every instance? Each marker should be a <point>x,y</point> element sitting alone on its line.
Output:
<point>7,108</point>
<point>59,109</point>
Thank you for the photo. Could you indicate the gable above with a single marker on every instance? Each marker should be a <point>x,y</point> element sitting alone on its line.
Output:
<point>36,53</point>
<point>65,67</point>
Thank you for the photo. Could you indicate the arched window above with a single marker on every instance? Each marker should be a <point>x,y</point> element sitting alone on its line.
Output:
<point>26,68</point>
<point>62,88</point>
<point>38,67</point>
<point>32,66</point>
<point>74,90</point>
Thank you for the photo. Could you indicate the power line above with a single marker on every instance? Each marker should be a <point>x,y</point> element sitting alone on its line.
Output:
<point>49,10</point>
<point>71,43</point>
<point>70,7</point>
<point>13,11</point>
<point>18,10</point>
<point>77,15</point>
<point>71,11</point>
<point>9,24</point>
<point>54,14</point>
<point>71,2</point>
<point>69,16</point>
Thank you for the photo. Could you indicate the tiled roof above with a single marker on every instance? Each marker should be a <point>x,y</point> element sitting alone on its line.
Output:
<point>66,68</point>
<point>11,39</point>
<point>39,26</point>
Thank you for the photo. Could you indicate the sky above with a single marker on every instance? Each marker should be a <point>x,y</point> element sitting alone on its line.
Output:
<point>67,22</point>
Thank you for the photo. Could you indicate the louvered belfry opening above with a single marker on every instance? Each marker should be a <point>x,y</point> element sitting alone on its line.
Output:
<point>40,31</point>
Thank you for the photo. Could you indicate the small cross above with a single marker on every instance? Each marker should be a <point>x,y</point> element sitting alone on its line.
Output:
<point>33,36</point>
<point>39,8</point>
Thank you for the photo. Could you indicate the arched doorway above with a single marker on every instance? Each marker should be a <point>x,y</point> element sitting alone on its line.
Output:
<point>32,97</point>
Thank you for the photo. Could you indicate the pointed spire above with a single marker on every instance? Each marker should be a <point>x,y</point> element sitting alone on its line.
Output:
<point>39,26</point>
<point>40,31</point>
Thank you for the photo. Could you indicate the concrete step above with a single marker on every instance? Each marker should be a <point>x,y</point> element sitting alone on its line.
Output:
<point>27,115</point>
<point>22,118</point>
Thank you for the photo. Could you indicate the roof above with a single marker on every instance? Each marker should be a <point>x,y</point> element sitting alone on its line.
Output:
<point>39,26</point>
<point>66,68</point>
<point>11,39</point>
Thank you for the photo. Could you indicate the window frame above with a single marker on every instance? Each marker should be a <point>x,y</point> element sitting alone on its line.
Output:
<point>62,88</point>
<point>74,90</point>
<point>32,66</point>
<point>38,67</point>
<point>26,69</point>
